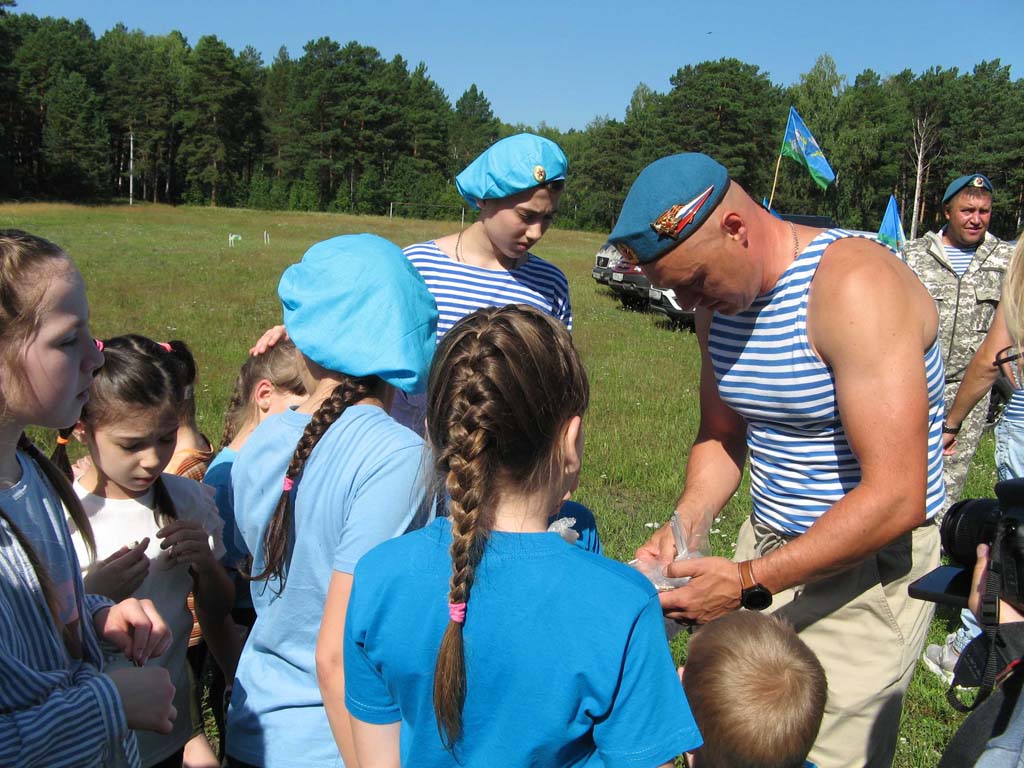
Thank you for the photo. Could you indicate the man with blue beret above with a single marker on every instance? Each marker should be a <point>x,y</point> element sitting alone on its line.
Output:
<point>962,266</point>
<point>821,366</point>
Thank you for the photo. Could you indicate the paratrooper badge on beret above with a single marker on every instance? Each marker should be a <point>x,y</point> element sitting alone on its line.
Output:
<point>675,219</point>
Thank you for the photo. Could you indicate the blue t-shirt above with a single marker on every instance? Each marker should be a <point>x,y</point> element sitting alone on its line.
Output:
<point>566,658</point>
<point>361,484</point>
<point>218,474</point>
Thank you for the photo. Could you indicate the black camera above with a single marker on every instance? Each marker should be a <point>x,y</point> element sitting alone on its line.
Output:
<point>967,524</point>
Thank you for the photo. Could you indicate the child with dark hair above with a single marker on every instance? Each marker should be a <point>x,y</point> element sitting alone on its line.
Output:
<point>193,451</point>
<point>318,486</point>
<point>542,653</point>
<point>157,535</point>
<point>757,692</point>
<point>60,703</point>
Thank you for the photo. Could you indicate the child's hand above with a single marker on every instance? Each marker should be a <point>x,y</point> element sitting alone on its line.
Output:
<point>118,576</point>
<point>146,695</point>
<point>135,627</point>
<point>187,542</point>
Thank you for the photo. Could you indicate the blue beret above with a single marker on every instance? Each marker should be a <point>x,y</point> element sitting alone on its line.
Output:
<point>973,180</point>
<point>355,305</point>
<point>669,200</point>
<point>511,165</point>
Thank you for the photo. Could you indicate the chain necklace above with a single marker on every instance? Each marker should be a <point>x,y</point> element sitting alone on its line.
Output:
<point>796,241</point>
<point>458,247</point>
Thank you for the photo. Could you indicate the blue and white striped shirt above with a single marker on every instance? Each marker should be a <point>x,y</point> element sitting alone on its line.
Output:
<point>54,710</point>
<point>460,289</point>
<point>959,258</point>
<point>800,461</point>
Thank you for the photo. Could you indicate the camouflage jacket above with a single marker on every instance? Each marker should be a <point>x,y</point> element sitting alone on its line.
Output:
<point>966,304</point>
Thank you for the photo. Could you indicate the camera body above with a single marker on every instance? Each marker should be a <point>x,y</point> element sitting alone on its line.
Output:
<point>971,522</point>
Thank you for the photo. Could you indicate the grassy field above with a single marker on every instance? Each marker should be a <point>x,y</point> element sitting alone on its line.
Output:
<point>168,273</point>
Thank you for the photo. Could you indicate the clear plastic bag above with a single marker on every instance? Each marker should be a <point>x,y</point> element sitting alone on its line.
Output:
<point>654,569</point>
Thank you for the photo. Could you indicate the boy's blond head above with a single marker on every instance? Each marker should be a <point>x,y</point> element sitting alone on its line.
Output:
<point>757,692</point>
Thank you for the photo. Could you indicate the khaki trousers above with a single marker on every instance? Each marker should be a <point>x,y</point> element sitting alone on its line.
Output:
<point>868,634</point>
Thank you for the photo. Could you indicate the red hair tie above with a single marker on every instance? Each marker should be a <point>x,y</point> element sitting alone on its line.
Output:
<point>288,484</point>
<point>99,344</point>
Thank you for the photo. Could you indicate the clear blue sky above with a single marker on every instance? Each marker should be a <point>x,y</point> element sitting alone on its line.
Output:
<point>565,63</point>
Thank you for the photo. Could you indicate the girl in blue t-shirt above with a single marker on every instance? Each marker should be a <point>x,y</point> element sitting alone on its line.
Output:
<point>57,705</point>
<point>483,639</point>
<point>318,486</point>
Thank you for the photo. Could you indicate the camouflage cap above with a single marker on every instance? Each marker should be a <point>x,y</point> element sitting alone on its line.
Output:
<point>667,203</point>
<point>973,180</point>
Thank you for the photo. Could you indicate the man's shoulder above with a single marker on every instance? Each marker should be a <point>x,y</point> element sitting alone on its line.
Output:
<point>996,252</point>
<point>920,246</point>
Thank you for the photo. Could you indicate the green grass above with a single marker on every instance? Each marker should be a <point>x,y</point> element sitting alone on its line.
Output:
<point>169,273</point>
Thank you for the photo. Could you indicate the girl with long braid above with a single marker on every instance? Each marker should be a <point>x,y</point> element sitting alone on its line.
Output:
<point>542,653</point>
<point>318,486</point>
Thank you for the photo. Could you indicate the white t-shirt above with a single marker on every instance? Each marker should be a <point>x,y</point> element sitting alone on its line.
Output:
<point>120,522</point>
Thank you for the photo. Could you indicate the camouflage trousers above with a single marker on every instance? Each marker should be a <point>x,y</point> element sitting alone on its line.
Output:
<point>954,471</point>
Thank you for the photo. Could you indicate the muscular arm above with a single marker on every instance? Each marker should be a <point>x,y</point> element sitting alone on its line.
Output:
<point>871,321</point>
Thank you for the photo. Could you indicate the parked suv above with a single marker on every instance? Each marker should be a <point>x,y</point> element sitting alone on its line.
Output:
<point>606,258</point>
<point>630,284</point>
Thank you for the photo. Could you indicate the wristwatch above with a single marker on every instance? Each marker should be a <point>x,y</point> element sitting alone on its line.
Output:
<point>753,596</point>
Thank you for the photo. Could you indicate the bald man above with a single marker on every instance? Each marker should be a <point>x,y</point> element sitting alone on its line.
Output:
<point>820,364</point>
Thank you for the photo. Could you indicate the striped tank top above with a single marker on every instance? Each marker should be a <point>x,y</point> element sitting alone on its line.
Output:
<point>800,460</point>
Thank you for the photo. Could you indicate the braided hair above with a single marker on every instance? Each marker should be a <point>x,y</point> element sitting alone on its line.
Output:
<point>504,383</point>
<point>276,536</point>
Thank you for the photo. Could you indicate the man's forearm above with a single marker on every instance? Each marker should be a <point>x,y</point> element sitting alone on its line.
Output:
<point>858,525</point>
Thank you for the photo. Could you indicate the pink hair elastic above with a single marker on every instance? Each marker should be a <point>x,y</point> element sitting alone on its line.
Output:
<point>457,612</point>
<point>165,346</point>
<point>99,344</point>
<point>288,484</point>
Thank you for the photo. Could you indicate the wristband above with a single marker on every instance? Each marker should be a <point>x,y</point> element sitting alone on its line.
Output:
<point>948,430</point>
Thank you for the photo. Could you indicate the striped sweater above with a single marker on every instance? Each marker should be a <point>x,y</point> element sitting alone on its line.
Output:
<point>55,711</point>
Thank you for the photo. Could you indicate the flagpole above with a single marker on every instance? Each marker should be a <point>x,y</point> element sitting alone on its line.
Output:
<point>775,181</point>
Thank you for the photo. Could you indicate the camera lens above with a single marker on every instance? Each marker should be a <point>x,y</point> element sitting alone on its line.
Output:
<point>967,524</point>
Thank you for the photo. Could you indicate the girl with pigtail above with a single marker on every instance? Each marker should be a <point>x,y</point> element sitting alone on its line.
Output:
<point>318,486</point>
<point>60,703</point>
<point>542,653</point>
<point>157,535</point>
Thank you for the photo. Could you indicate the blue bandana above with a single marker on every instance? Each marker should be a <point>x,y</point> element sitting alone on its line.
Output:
<point>512,165</point>
<point>356,305</point>
<point>667,203</point>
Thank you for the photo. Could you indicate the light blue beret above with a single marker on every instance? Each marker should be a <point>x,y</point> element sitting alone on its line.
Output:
<point>355,305</point>
<point>669,200</point>
<point>974,180</point>
<point>512,165</point>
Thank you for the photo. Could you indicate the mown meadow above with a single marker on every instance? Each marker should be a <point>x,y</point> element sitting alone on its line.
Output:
<point>169,273</point>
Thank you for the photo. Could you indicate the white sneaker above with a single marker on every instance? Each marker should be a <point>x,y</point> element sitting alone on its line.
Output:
<point>942,659</point>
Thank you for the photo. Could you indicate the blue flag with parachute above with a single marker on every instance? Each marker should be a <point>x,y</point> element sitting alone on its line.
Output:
<point>891,231</point>
<point>799,144</point>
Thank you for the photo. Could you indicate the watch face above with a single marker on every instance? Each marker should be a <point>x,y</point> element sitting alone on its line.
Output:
<point>757,598</point>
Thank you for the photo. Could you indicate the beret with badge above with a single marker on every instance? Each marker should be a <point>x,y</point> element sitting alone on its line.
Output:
<point>667,203</point>
<point>972,180</point>
<point>356,305</point>
<point>512,165</point>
